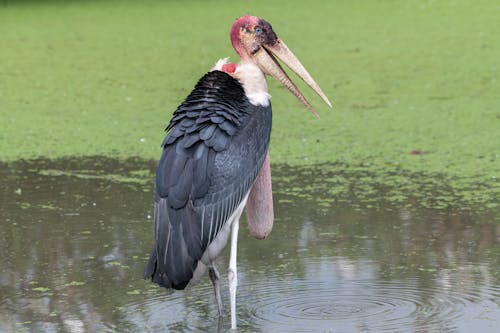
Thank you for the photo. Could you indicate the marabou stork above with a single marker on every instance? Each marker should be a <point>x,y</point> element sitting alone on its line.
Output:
<point>215,162</point>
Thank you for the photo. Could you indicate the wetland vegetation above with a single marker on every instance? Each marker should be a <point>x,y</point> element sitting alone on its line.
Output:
<point>414,84</point>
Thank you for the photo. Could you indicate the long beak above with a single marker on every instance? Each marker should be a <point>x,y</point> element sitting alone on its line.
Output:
<point>268,63</point>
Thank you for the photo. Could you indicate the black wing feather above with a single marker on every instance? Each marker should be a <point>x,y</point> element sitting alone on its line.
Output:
<point>215,147</point>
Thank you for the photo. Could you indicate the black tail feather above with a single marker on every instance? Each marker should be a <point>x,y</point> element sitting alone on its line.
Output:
<point>178,248</point>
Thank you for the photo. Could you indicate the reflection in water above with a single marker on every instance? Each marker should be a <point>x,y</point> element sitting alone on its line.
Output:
<point>75,235</point>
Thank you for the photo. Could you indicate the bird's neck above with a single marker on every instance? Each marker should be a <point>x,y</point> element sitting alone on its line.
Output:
<point>251,78</point>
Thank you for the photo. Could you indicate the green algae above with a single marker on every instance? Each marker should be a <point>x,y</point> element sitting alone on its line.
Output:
<point>139,176</point>
<point>414,86</point>
<point>325,185</point>
<point>328,185</point>
<point>75,284</point>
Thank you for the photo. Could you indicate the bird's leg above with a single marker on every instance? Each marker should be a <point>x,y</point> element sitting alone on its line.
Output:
<point>232,274</point>
<point>214,276</point>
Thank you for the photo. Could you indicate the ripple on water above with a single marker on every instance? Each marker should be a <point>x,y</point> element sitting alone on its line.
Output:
<point>171,310</point>
<point>355,305</point>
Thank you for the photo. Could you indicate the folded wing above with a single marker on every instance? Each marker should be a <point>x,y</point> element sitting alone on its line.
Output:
<point>215,147</point>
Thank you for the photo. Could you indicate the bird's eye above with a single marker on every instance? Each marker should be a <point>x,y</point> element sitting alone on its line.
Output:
<point>258,30</point>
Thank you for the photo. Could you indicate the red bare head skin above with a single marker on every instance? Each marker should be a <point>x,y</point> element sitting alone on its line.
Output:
<point>229,68</point>
<point>249,33</point>
<point>239,26</point>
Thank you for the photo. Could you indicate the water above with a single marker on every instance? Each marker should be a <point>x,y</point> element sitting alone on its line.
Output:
<point>75,236</point>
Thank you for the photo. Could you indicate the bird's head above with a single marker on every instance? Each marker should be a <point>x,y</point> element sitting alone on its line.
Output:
<point>254,40</point>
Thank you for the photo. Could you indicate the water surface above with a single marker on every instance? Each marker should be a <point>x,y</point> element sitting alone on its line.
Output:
<point>76,233</point>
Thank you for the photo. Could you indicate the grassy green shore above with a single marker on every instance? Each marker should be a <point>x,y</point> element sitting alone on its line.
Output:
<point>415,84</point>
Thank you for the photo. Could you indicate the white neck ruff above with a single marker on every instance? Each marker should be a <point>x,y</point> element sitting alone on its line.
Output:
<point>252,79</point>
